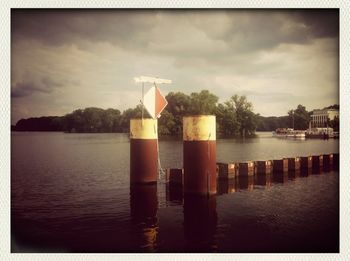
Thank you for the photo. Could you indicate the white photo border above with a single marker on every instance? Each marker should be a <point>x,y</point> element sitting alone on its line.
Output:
<point>5,132</point>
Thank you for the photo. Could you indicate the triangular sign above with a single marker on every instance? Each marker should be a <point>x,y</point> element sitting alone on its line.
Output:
<point>154,102</point>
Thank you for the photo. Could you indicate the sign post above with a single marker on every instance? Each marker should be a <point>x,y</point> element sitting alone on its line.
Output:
<point>144,147</point>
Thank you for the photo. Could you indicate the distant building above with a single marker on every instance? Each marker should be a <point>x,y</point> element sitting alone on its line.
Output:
<point>319,118</point>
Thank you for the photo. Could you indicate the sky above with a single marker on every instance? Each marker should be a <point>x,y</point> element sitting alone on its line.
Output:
<point>63,60</point>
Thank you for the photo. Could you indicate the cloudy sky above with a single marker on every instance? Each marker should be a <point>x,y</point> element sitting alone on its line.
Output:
<point>65,60</point>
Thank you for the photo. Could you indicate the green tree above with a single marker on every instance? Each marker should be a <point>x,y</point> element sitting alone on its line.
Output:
<point>235,117</point>
<point>203,102</point>
<point>57,123</point>
<point>226,119</point>
<point>92,119</point>
<point>299,117</point>
<point>178,106</point>
<point>166,124</point>
<point>178,103</point>
<point>334,123</point>
<point>110,120</point>
<point>246,119</point>
<point>74,121</point>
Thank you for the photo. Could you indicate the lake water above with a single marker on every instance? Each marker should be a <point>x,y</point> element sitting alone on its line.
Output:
<point>71,193</point>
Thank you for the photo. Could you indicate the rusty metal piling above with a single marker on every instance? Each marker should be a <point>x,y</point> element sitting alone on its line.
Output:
<point>199,154</point>
<point>143,151</point>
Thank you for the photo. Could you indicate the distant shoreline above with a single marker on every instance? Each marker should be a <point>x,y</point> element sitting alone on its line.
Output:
<point>164,137</point>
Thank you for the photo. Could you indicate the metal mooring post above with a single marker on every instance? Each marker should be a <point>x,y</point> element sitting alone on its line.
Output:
<point>143,151</point>
<point>199,154</point>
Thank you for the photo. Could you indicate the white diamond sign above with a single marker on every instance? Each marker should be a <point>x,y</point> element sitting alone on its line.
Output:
<point>154,102</point>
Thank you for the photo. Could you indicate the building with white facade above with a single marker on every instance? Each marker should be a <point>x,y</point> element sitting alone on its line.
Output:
<point>319,118</point>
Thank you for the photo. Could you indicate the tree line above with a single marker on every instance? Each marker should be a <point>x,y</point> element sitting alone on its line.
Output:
<point>234,117</point>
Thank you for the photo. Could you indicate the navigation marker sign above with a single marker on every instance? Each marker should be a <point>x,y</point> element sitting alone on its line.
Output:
<point>154,102</point>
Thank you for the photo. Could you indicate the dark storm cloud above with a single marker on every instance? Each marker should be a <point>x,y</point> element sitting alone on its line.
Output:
<point>244,30</point>
<point>249,31</point>
<point>26,88</point>
<point>56,27</point>
<point>321,23</point>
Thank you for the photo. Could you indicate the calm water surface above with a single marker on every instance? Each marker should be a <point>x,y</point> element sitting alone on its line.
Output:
<point>71,193</point>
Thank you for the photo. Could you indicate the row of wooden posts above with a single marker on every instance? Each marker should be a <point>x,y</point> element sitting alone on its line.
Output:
<point>227,171</point>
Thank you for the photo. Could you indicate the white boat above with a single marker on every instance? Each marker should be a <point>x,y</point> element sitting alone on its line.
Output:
<point>289,133</point>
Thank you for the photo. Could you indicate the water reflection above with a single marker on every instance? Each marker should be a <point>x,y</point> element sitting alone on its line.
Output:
<point>174,193</point>
<point>72,194</point>
<point>317,169</point>
<point>263,180</point>
<point>144,207</point>
<point>245,183</point>
<point>327,167</point>
<point>292,175</point>
<point>279,177</point>
<point>305,172</point>
<point>200,221</point>
<point>226,186</point>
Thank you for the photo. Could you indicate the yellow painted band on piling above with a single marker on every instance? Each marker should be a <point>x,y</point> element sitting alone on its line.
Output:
<point>199,128</point>
<point>145,129</point>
